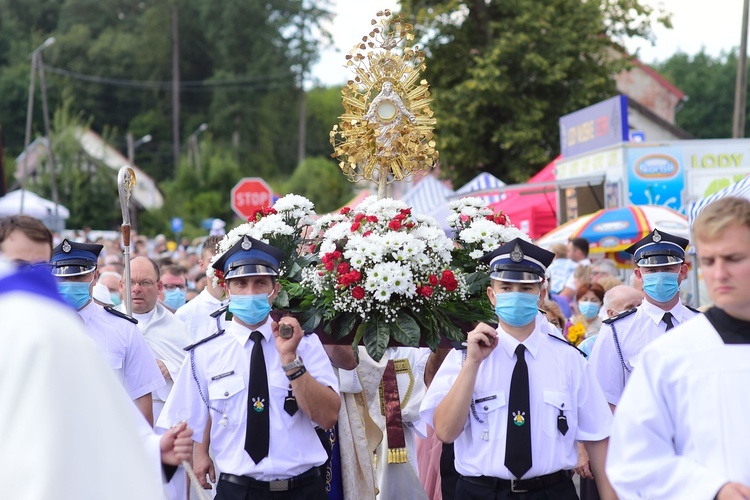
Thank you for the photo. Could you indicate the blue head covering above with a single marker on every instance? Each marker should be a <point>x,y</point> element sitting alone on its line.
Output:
<point>250,257</point>
<point>70,258</point>
<point>518,261</point>
<point>658,249</point>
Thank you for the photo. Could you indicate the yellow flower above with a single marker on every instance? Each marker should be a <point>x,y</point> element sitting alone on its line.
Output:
<point>576,333</point>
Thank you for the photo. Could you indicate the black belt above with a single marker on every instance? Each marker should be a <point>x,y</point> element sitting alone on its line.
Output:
<point>303,479</point>
<point>518,485</point>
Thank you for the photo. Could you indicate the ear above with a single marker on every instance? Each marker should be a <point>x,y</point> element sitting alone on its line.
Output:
<point>276,290</point>
<point>491,295</point>
<point>638,274</point>
<point>683,271</point>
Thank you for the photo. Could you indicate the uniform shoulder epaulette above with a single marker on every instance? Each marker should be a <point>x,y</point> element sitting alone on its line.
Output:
<point>203,341</point>
<point>560,339</point>
<point>112,310</point>
<point>219,311</point>
<point>542,311</point>
<point>623,314</point>
<point>692,308</point>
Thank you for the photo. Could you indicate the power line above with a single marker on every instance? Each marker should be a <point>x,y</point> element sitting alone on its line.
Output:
<point>243,83</point>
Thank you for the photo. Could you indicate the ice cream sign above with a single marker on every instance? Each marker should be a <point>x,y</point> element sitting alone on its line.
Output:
<point>656,166</point>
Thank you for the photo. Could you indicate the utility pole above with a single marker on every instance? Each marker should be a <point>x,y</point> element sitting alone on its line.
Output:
<point>302,123</point>
<point>740,89</point>
<point>27,136</point>
<point>175,89</point>
<point>48,132</point>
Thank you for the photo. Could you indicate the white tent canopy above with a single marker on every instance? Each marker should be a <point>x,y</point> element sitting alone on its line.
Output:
<point>482,182</point>
<point>33,205</point>
<point>740,189</point>
<point>430,197</point>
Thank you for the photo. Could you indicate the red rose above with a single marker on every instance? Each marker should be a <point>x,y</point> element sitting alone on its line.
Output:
<point>358,292</point>
<point>343,268</point>
<point>433,280</point>
<point>395,225</point>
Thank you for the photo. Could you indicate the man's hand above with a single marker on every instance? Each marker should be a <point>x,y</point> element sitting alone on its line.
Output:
<point>733,491</point>
<point>176,444</point>
<point>164,371</point>
<point>481,341</point>
<point>202,466</point>
<point>287,347</point>
<point>583,468</point>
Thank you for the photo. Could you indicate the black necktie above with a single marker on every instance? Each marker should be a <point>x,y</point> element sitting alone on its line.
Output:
<point>668,320</point>
<point>518,445</point>
<point>257,434</point>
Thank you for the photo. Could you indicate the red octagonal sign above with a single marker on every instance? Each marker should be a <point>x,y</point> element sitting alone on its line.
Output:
<point>249,195</point>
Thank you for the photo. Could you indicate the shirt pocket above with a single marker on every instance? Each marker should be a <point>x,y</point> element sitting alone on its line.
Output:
<point>278,389</point>
<point>116,362</point>
<point>558,404</point>
<point>226,397</point>
<point>491,410</point>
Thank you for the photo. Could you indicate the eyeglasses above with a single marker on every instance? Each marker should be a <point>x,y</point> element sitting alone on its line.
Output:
<point>143,283</point>
<point>172,287</point>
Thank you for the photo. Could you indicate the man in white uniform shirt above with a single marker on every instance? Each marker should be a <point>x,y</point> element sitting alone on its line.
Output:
<point>517,399</point>
<point>196,314</point>
<point>681,428</point>
<point>659,260</point>
<point>74,267</point>
<point>264,392</point>
<point>164,334</point>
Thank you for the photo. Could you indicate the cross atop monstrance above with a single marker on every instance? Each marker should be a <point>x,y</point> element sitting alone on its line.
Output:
<point>386,131</point>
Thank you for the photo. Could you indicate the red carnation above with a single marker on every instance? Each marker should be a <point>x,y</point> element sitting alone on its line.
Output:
<point>345,210</point>
<point>395,225</point>
<point>355,275</point>
<point>372,218</point>
<point>354,227</point>
<point>329,265</point>
<point>358,292</point>
<point>448,280</point>
<point>336,254</point>
<point>433,280</point>
<point>359,217</point>
<point>343,268</point>
<point>366,234</point>
<point>425,291</point>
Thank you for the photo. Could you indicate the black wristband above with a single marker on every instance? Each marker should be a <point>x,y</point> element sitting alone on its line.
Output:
<point>297,374</point>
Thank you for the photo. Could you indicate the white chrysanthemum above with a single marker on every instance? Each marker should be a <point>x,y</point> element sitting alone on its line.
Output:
<point>411,249</point>
<point>297,206</point>
<point>273,224</point>
<point>338,232</point>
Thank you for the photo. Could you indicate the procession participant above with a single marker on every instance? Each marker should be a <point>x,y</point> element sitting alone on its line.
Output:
<point>262,419</point>
<point>196,314</point>
<point>84,445</point>
<point>578,252</point>
<point>174,286</point>
<point>111,280</point>
<point>25,239</point>
<point>164,334</point>
<point>660,262</point>
<point>75,267</point>
<point>681,428</point>
<point>515,417</point>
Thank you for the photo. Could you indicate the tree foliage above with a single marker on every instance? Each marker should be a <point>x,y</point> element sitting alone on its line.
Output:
<point>502,74</point>
<point>709,84</point>
<point>321,181</point>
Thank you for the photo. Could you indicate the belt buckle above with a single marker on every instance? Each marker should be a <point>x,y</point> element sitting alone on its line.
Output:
<point>282,485</point>
<point>515,489</point>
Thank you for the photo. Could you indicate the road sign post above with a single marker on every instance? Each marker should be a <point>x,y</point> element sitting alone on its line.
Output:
<point>249,195</point>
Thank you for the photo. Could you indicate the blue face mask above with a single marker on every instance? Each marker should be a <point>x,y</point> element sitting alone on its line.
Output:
<point>516,308</point>
<point>251,309</point>
<point>174,299</point>
<point>589,309</point>
<point>661,287</point>
<point>74,293</point>
<point>115,298</point>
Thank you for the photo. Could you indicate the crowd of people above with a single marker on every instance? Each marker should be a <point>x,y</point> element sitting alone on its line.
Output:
<point>585,387</point>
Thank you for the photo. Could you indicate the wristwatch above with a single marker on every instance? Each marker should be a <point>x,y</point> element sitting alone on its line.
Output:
<point>297,363</point>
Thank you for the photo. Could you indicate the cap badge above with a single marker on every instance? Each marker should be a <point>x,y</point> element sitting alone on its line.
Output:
<point>656,237</point>
<point>66,246</point>
<point>517,254</point>
<point>246,243</point>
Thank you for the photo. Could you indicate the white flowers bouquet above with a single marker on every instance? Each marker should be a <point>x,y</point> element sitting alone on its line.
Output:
<point>385,273</point>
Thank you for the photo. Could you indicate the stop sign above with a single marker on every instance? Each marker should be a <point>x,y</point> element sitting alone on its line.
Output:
<point>249,195</point>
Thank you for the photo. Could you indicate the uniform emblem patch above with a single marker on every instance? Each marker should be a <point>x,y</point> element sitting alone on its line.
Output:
<point>66,246</point>
<point>656,237</point>
<point>259,404</point>
<point>517,254</point>
<point>246,244</point>
<point>519,418</point>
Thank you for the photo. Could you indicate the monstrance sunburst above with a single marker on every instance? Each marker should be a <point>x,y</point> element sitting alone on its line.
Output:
<point>386,131</point>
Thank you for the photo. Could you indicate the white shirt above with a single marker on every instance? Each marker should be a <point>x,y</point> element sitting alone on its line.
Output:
<point>558,381</point>
<point>57,440</point>
<point>222,370</point>
<point>571,283</point>
<point>124,349</point>
<point>634,332</point>
<point>196,315</point>
<point>681,428</point>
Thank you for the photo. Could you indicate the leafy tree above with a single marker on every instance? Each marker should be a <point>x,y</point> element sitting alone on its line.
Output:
<point>323,110</point>
<point>321,181</point>
<point>709,83</point>
<point>502,73</point>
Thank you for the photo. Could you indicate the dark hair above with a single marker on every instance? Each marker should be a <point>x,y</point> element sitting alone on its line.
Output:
<point>210,244</point>
<point>581,244</point>
<point>590,287</point>
<point>33,228</point>
<point>174,270</point>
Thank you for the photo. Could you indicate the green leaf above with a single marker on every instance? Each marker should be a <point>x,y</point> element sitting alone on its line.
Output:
<point>343,325</point>
<point>282,300</point>
<point>405,330</point>
<point>377,334</point>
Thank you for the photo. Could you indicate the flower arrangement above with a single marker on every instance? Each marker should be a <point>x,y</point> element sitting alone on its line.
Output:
<point>284,225</point>
<point>385,273</point>
<point>477,229</point>
<point>576,332</point>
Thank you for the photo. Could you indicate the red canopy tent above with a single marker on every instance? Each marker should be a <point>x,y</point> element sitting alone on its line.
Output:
<point>532,209</point>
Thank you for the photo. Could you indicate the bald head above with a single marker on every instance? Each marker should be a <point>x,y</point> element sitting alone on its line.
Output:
<point>621,298</point>
<point>144,277</point>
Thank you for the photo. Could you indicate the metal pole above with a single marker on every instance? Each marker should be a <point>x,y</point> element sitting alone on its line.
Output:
<point>131,147</point>
<point>47,131</point>
<point>175,89</point>
<point>27,137</point>
<point>740,89</point>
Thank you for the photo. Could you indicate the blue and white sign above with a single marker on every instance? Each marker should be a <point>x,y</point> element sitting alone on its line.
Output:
<point>176,225</point>
<point>597,126</point>
<point>656,176</point>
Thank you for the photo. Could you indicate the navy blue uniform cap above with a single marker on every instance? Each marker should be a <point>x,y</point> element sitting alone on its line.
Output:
<point>71,258</point>
<point>658,249</point>
<point>518,261</point>
<point>250,257</point>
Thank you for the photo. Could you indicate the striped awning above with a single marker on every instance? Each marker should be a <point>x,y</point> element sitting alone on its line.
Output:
<point>483,182</point>
<point>740,189</point>
<point>427,195</point>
